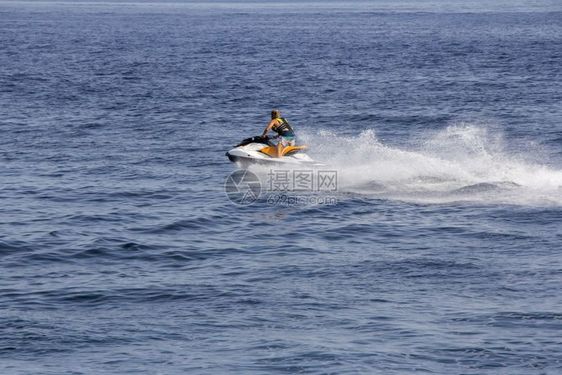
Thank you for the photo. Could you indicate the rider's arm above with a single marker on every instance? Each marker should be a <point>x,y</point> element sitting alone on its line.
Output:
<point>268,127</point>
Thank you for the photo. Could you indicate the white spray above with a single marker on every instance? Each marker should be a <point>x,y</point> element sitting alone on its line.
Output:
<point>461,162</point>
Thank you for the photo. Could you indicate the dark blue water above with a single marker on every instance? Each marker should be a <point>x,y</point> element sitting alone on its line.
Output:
<point>120,252</point>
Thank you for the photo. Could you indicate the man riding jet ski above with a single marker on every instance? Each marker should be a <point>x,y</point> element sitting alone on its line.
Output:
<point>284,131</point>
<point>262,150</point>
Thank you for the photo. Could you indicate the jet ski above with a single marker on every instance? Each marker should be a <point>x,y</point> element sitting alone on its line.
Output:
<point>260,150</point>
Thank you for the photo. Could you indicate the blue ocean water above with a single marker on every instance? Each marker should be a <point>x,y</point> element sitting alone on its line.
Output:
<point>121,253</point>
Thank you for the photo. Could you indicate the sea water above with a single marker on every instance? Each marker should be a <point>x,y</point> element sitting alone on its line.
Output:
<point>436,251</point>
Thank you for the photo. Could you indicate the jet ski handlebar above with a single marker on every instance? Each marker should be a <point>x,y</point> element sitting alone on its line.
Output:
<point>257,139</point>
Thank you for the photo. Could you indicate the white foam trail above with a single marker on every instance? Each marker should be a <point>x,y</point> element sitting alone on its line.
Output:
<point>461,162</point>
